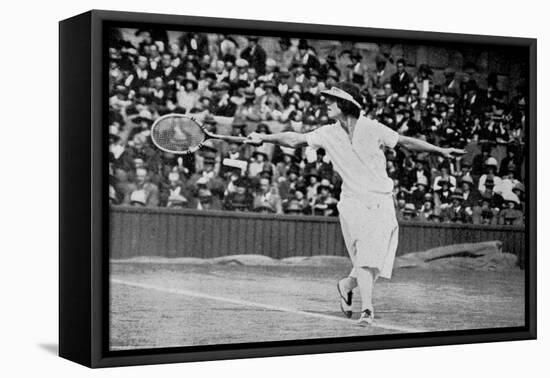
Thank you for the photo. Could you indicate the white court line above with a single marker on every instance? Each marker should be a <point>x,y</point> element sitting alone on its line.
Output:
<point>241,302</point>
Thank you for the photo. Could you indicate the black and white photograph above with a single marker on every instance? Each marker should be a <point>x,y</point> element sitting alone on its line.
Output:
<point>267,188</point>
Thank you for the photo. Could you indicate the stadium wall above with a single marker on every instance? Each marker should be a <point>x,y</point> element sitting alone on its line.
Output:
<point>207,234</point>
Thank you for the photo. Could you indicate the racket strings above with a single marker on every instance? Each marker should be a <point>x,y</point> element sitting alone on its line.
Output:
<point>177,134</point>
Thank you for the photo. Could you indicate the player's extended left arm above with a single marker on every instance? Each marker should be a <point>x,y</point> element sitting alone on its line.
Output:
<point>413,144</point>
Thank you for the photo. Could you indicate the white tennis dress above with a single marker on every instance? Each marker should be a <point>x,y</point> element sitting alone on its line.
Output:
<point>367,213</point>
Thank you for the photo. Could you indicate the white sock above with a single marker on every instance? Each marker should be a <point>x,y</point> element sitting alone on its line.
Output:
<point>365,280</point>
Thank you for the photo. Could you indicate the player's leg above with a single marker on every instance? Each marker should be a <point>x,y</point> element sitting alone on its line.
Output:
<point>366,278</point>
<point>350,282</point>
<point>345,288</point>
<point>346,285</point>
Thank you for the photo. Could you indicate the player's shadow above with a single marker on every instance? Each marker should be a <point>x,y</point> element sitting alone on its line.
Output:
<point>50,348</point>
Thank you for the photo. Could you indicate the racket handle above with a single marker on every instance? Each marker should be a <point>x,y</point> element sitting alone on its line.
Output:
<point>236,139</point>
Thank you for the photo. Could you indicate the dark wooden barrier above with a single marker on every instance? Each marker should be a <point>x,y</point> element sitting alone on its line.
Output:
<point>207,234</point>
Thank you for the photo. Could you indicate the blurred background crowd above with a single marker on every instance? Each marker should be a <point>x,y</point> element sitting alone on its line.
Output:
<point>236,85</point>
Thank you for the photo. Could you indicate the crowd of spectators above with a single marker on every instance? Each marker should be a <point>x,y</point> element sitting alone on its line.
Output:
<point>238,85</point>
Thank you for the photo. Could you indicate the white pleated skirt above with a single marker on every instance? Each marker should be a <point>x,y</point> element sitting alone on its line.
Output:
<point>370,231</point>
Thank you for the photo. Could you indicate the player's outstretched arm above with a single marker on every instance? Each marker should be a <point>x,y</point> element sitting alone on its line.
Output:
<point>414,144</point>
<point>287,139</point>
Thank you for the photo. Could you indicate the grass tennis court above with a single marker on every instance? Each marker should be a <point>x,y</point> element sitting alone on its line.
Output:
<point>165,305</point>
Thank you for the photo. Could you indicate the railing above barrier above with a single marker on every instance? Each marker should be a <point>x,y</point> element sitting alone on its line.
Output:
<point>195,233</point>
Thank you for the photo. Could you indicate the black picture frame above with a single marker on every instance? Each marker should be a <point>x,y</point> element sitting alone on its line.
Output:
<point>84,221</point>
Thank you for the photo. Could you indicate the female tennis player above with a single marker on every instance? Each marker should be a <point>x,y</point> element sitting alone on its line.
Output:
<point>355,144</point>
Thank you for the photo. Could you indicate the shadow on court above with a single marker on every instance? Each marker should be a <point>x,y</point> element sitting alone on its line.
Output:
<point>161,305</point>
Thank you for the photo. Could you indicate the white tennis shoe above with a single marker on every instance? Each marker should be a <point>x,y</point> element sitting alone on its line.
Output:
<point>346,298</point>
<point>366,319</point>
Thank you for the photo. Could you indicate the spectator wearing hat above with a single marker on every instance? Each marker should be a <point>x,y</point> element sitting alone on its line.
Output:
<point>330,69</point>
<point>227,45</point>
<point>292,181</point>
<point>187,94</point>
<point>221,104</point>
<point>282,83</point>
<point>519,190</point>
<point>177,201</point>
<point>143,39</point>
<point>511,215</point>
<point>312,180</point>
<point>239,199</point>
<point>512,159</point>
<point>230,71</point>
<point>206,80</point>
<point>451,85</point>
<point>255,55</point>
<point>138,198</point>
<point>489,215</point>
<point>473,99</point>
<point>171,106</point>
<point>419,191</point>
<point>208,174</point>
<point>250,110</point>
<point>423,80</point>
<point>408,213</point>
<point>322,165</point>
<point>294,207</point>
<point>167,70</point>
<point>258,163</point>
<point>266,148</point>
<point>491,203</point>
<point>242,66</point>
<point>472,199</point>
<point>153,54</point>
<point>465,171</point>
<point>159,93</point>
<point>270,68</point>
<point>380,107</point>
<point>456,212</point>
<point>427,210</point>
<point>267,197</point>
<point>298,76</point>
<point>119,99</point>
<point>143,120</point>
<point>230,175</point>
<point>313,88</point>
<point>443,196</point>
<point>271,106</point>
<point>488,193</point>
<point>418,173</point>
<point>234,152</point>
<point>508,183</point>
<point>401,79</point>
<point>204,199</point>
<point>194,44</point>
<point>284,158</point>
<point>148,192</point>
<point>175,191</point>
<point>238,127</point>
<point>324,203</point>
<point>380,76</point>
<point>307,56</point>
<point>491,169</point>
<point>300,195</point>
<point>140,75</point>
<point>356,72</point>
<point>444,175</point>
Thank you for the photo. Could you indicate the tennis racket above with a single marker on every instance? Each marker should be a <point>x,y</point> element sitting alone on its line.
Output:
<point>183,134</point>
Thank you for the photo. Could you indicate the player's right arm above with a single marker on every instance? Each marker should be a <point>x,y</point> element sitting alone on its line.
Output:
<point>286,139</point>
